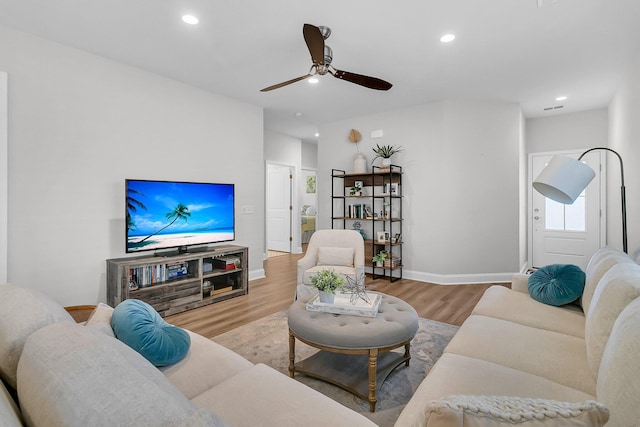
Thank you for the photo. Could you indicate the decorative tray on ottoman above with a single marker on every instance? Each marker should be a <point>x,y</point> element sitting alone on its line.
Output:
<point>342,305</point>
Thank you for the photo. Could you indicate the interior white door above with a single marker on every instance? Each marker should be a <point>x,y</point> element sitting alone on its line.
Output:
<point>565,234</point>
<point>279,205</point>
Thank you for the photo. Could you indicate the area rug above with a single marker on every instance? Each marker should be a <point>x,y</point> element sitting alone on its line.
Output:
<point>267,341</point>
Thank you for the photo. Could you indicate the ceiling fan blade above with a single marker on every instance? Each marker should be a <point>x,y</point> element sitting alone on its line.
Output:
<point>366,81</point>
<point>315,43</point>
<point>288,82</point>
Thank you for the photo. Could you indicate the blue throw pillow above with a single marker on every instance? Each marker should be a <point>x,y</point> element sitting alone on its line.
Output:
<point>138,325</point>
<point>557,284</point>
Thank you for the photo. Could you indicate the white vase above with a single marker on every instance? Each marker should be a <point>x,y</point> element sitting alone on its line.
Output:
<point>326,297</point>
<point>359,163</point>
<point>386,162</point>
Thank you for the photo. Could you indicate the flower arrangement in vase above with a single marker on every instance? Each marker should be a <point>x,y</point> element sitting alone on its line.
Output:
<point>327,281</point>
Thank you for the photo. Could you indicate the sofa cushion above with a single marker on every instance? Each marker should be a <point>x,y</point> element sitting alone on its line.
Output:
<point>598,265</point>
<point>198,372</point>
<point>557,284</point>
<point>552,355</point>
<point>456,374</point>
<point>201,418</point>
<point>100,318</point>
<point>617,288</point>
<point>261,393</point>
<point>71,375</point>
<point>9,413</point>
<point>478,411</point>
<point>138,325</point>
<point>503,303</point>
<point>24,311</point>
<point>335,256</point>
<point>340,269</point>
<point>618,385</point>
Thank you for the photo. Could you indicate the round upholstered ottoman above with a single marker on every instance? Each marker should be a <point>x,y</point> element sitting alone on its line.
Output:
<point>355,351</point>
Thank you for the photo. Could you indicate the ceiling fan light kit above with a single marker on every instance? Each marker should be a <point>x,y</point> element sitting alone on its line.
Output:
<point>322,56</point>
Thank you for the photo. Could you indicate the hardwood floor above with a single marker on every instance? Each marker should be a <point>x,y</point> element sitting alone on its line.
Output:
<point>449,304</point>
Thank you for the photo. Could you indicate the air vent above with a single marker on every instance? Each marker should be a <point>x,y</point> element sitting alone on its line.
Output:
<point>557,107</point>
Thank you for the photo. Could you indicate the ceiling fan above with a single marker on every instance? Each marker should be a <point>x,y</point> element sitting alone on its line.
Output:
<point>322,55</point>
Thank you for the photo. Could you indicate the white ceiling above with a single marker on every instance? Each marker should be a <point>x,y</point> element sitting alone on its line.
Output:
<point>505,50</point>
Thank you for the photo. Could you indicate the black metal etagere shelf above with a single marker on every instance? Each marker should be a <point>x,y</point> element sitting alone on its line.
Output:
<point>379,207</point>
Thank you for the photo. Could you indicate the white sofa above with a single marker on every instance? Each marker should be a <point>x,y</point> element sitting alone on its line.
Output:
<point>513,362</point>
<point>515,359</point>
<point>68,374</point>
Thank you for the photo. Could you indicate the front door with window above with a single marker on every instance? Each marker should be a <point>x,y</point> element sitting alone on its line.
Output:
<point>565,234</point>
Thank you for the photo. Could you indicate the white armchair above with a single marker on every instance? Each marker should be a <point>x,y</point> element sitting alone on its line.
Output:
<point>340,250</point>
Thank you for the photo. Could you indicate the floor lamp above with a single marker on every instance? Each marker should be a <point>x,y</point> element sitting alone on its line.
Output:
<point>564,178</point>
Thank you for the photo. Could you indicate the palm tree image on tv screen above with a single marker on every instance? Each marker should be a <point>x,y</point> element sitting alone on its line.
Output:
<point>169,214</point>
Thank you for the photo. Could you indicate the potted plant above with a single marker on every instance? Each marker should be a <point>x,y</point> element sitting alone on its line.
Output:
<point>385,152</point>
<point>356,190</point>
<point>379,258</point>
<point>327,281</point>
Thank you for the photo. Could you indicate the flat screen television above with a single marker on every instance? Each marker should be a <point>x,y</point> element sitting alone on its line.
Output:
<point>172,214</point>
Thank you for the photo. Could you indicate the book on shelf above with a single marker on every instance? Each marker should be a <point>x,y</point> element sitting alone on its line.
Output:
<point>145,275</point>
<point>358,211</point>
<point>226,262</point>
<point>392,262</point>
<point>156,273</point>
<point>221,290</point>
<point>176,270</point>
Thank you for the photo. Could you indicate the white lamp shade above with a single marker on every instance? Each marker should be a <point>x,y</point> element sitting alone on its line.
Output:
<point>563,179</point>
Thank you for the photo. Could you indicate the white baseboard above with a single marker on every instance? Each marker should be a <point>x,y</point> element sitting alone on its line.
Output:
<point>438,279</point>
<point>458,279</point>
<point>257,274</point>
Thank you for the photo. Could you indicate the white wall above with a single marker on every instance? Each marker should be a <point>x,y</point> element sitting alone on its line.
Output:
<point>522,218</point>
<point>4,185</point>
<point>78,126</point>
<point>461,185</point>
<point>624,137</point>
<point>286,150</point>
<point>570,131</point>
<point>283,149</point>
<point>309,155</point>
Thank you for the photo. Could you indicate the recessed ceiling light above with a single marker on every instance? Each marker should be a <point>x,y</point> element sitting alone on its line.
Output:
<point>561,98</point>
<point>447,38</point>
<point>313,80</point>
<point>317,134</point>
<point>299,114</point>
<point>190,19</point>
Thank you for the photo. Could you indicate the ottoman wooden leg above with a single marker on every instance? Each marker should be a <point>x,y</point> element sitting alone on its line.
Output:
<point>292,353</point>
<point>373,372</point>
